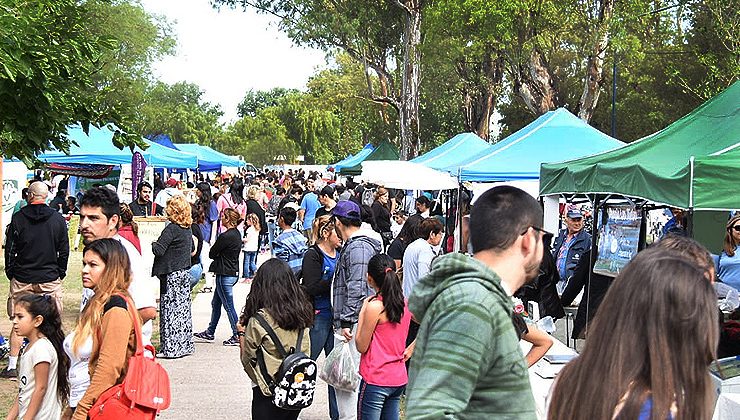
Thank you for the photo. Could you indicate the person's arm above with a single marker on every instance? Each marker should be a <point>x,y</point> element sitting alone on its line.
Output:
<point>446,376</point>
<point>62,247</point>
<point>541,343</point>
<point>464,234</point>
<point>13,412</point>
<point>577,280</point>
<point>159,247</point>
<point>368,320</point>
<point>10,251</point>
<point>41,376</point>
<point>115,332</point>
<point>424,263</point>
<point>249,343</point>
<point>409,351</point>
<point>219,246</point>
<point>313,270</point>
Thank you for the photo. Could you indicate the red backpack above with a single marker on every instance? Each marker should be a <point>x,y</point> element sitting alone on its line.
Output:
<point>145,390</point>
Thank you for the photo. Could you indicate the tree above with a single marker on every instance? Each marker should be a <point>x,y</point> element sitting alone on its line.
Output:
<point>180,111</point>
<point>263,139</point>
<point>255,101</point>
<point>50,58</point>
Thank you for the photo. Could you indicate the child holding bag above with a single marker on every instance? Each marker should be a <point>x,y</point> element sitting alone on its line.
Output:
<point>381,340</point>
<point>43,365</point>
<point>277,297</point>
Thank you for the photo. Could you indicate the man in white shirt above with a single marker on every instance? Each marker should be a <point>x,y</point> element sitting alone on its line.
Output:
<point>417,259</point>
<point>170,191</point>
<point>99,215</point>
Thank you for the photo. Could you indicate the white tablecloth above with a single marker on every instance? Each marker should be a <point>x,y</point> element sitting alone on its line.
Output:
<point>541,386</point>
<point>728,407</point>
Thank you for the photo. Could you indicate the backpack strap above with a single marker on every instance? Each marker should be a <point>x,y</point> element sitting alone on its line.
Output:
<point>271,333</point>
<point>300,340</point>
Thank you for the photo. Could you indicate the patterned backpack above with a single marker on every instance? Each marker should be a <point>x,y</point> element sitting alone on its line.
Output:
<point>295,381</point>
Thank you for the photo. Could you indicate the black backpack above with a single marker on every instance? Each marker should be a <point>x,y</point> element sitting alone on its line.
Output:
<point>295,381</point>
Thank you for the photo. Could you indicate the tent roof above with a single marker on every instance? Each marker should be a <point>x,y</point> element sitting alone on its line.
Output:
<point>553,137</point>
<point>659,167</point>
<point>205,152</point>
<point>384,151</point>
<point>406,175</point>
<point>204,163</point>
<point>98,148</point>
<point>453,152</point>
<point>356,159</point>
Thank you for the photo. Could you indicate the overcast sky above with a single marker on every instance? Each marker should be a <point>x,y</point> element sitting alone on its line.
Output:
<point>228,52</point>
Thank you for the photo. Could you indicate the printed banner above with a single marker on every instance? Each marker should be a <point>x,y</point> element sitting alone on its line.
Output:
<point>618,239</point>
<point>138,168</point>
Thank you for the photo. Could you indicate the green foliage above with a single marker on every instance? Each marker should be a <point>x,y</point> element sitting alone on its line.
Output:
<point>257,100</point>
<point>180,111</point>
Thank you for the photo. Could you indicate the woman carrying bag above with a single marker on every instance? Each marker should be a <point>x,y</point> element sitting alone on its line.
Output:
<point>280,301</point>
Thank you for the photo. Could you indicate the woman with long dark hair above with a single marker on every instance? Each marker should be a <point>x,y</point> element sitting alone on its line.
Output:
<point>404,238</point>
<point>277,296</point>
<point>648,366</point>
<point>381,339</point>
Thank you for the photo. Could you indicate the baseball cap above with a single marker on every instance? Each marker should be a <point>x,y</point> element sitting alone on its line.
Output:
<point>348,209</point>
<point>172,182</point>
<point>574,213</point>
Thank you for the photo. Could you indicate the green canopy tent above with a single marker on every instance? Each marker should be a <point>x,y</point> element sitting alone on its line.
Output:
<point>681,166</point>
<point>384,151</point>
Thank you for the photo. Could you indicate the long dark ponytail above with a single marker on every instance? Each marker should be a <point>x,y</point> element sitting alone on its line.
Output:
<point>382,269</point>
<point>51,328</point>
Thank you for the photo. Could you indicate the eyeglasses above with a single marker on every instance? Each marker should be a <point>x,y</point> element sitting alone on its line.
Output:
<point>736,228</point>
<point>536,229</point>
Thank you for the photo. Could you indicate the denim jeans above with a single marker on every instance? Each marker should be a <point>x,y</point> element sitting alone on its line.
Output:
<point>270,231</point>
<point>379,402</point>
<point>250,264</point>
<point>195,272</point>
<point>223,296</point>
<point>322,338</point>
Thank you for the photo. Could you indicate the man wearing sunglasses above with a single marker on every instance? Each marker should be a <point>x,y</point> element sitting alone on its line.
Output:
<point>570,245</point>
<point>466,361</point>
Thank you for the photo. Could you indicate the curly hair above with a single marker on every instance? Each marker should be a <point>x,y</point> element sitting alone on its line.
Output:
<point>127,218</point>
<point>178,211</point>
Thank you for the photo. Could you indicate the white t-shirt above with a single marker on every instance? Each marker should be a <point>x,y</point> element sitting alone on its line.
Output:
<point>251,240</point>
<point>140,292</point>
<point>41,351</point>
<point>79,375</point>
<point>417,260</point>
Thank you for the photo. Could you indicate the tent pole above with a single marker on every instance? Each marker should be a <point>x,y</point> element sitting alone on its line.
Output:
<point>458,216</point>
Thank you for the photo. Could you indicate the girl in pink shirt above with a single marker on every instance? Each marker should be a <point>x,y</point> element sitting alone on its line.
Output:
<point>381,339</point>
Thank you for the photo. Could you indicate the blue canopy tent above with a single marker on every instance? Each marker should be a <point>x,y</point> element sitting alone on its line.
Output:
<point>553,137</point>
<point>205,152</point>
<point>204,163</point>
<point>98,148</point>
<point>341,162</point>
<point>354,160</point>
<point>454,152</point>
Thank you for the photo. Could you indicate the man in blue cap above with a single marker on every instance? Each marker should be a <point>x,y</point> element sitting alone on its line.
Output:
<point>571,243</point>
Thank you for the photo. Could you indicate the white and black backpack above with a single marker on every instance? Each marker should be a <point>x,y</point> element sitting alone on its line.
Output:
<point>295,381</point>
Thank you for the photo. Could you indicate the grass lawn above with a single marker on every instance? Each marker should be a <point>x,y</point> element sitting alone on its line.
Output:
<point>71,299</point>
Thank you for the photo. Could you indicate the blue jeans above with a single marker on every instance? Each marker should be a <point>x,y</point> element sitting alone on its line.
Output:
<point>224,296</point>
<point>250,264</point>
<point>270,231</point>
<point>379,402</point>
<point>322,338</point>
<point>195,272</point>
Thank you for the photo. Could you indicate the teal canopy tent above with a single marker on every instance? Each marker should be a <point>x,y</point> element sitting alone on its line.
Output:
<point>455,151</point>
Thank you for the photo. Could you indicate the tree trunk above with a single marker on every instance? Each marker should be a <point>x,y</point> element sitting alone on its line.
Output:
<point>480,92</point>
<point>536,85</point>
<point>595,64</point>
<point>409,109</point>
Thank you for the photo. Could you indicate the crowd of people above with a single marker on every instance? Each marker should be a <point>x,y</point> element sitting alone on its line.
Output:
<point>368,269</point>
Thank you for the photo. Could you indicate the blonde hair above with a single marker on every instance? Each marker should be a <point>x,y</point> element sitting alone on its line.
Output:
<point>115,280</point>
<point>253,192</point>
<point>233,218</point>
<point>381,191</point>
<point>729,243</point>
<point>178,211</point>
<point>321,226</point>
<point>254,221</point>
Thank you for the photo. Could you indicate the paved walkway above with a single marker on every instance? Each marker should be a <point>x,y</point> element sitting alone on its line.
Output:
<point>212,384</point>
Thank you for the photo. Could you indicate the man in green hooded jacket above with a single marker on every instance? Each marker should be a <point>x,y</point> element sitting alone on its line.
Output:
<point>467,362</point>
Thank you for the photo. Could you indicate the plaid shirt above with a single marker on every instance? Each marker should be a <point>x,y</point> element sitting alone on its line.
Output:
<point>290,246</point>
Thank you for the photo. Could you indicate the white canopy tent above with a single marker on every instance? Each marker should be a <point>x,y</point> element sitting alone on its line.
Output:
<point>406,175</point>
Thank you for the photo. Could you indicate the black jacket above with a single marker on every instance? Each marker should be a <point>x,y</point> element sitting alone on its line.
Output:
<point>312,272</point>
<point>225,253</point>
<point>580,245</point>
<point>382,217</point>
<point>543,290</point>
<point>144,209</point>
<point>195,231</point>
<point>592,295</point>
<point>37,247</point>
<point>254,207</point>
<point>172,250</point>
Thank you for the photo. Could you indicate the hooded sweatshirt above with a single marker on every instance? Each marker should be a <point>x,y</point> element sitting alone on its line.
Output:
<point>467,363</point>
<point>290,246</point>
<point>37,248</point>
<point>350,287</point>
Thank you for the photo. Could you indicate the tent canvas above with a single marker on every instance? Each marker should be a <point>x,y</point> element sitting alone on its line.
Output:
<point>205,152</point>
<point>204,164</point>
<point>406,175</point>
<point>384,151</point>
<point>555,136</point>
<point>354,160</point>
<point>674,166</point>
<point>98,148</point>
<point>454,152</point>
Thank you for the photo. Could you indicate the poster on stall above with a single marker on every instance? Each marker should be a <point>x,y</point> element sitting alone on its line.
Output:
<point>15,179</point>
<point>619,236</point>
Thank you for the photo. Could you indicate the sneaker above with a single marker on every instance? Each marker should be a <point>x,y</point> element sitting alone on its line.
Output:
<point>233,341</point>
<point>205,336</point>
<point>11,374</point>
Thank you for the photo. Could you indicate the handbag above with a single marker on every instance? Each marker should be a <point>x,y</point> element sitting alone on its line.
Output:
<point>145,390</point>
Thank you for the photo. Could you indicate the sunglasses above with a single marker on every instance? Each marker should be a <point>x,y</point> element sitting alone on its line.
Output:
<point>736,228</point>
